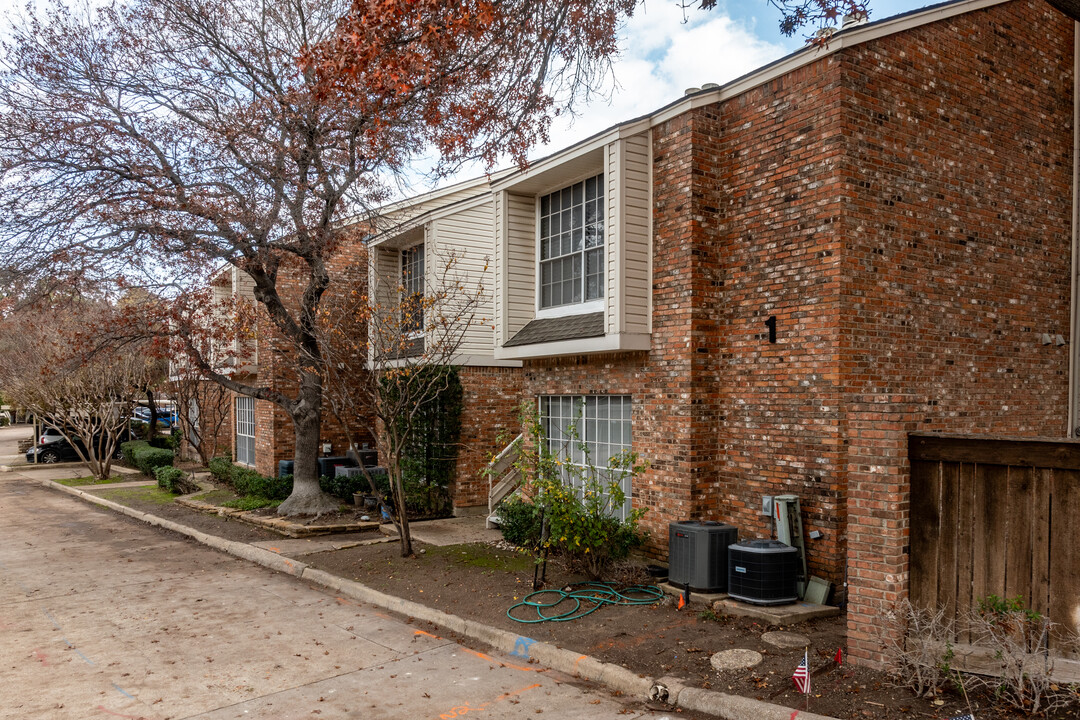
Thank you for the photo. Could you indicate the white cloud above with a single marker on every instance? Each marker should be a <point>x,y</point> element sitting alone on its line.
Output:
<point>662,57</point>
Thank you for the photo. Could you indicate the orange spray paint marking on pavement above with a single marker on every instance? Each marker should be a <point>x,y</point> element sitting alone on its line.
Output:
<point>488,658</point>
<point>464,709</point>
<point>41,657</point>
<point>421,632</point>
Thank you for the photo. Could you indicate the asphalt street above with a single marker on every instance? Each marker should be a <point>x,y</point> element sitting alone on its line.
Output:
<point>104,617</point>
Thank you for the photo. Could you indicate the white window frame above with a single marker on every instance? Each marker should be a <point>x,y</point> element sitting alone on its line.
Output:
<point>245,430</point>
<point>418,284</point>
<point>597,419</point>
<point>585,305</point>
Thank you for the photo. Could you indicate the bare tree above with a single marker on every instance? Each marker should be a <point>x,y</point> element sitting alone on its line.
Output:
<point>152,140</point>
<point>202,411</point>
<point>85,392</point>
<point>413,341</point>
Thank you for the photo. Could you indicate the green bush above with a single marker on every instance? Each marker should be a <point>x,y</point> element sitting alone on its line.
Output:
<point>344,487</point>
<point>128,449</point>
<point>145,457</point>
<point>247,482</point>
<point>167,476</point>
<point>159,441</point>
<point>221,468</point>
<point>519,522</point>
<point>149,459</point>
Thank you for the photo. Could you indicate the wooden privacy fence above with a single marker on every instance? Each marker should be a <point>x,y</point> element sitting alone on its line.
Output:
<point>995,516</point>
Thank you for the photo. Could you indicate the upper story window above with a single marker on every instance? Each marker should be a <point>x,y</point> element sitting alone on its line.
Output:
<point>572,244</point>
<point>412,289</point>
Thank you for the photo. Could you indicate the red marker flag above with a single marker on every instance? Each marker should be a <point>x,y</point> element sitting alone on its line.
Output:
<point>802,675</point>
<point>684,598</point>
<point>839,656</point>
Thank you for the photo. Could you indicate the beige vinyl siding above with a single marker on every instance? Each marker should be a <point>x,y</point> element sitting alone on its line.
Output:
<point>612,246</point>
<point>385,280</point>
<point>637,234</point>
<point>520,264</point>
<point>467,234</point>
<point>418,208</point>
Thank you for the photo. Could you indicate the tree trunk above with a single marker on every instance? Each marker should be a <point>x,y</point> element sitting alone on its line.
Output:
<point>307,497</point>
<point>152,433</point>
<point>398,489</point>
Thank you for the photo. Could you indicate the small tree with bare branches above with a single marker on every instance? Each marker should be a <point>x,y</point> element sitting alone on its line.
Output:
<point>83,389</point>
<point>413,341</point>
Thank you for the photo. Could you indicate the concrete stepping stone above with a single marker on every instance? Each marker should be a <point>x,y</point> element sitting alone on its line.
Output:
<point>735,659</point>
<point>781,639</point>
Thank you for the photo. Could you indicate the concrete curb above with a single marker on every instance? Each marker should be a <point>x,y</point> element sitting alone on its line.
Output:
<point>667,689</point>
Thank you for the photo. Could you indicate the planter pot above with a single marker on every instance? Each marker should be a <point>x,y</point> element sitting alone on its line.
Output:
<point>368,502</point>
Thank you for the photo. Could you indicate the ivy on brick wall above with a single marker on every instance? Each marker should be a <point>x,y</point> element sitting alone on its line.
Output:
<point>430,457</point>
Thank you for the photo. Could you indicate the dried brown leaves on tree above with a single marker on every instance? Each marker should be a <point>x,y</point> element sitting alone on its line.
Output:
<point>158,140</point>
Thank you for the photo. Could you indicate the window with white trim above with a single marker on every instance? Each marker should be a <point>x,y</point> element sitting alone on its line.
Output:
<point>245,430</point>
<point>572,244</point>
<point>587,431</point>
<point>412,289</point>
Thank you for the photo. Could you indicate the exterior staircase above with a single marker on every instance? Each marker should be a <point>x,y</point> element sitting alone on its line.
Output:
<point>503,477</point>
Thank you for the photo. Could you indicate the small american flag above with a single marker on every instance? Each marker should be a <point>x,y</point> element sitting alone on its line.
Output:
<point>802,675</point>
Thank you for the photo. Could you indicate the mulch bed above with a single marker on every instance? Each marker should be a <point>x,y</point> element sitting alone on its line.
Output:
<point>482,582</point>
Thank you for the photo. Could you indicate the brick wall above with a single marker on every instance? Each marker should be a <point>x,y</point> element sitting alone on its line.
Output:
<point>958,164</point>
<point>490,399</point>
<point>779,198</point>
<point>902,208</point>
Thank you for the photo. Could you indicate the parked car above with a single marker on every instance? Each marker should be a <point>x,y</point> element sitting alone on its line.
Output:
<point>53,447</point>
<point>166,418</point>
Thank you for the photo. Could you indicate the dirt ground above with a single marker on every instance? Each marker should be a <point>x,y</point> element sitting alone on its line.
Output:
<point>483,582</point>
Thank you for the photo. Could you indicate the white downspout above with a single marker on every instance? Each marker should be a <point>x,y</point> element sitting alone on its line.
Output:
<point>1074,304</point>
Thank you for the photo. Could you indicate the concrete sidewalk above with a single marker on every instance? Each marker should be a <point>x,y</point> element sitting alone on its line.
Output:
<point>668,690</point>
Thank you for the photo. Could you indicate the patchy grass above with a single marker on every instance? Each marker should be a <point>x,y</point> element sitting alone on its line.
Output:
<point>151,494</point>
<point>218,497</point>
<point>484,557</point>
<point>248,502</point>
<point>91,480</point>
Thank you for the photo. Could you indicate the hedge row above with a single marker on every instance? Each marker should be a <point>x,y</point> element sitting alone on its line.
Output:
<point>140,454</point>
<point>247,482</point>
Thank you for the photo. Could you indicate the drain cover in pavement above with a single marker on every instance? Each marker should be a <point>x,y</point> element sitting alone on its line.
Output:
<point>781,639</point>
<point>735,659</point>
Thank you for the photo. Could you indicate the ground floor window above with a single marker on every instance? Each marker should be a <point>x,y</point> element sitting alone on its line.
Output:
<point>587,431</point>
<point>245,430</point>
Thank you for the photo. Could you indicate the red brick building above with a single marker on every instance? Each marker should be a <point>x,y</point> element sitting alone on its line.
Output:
<point>763,287</point>
<point>898,206</point>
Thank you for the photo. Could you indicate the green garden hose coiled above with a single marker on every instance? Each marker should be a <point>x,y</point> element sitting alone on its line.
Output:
<point>577,601</point>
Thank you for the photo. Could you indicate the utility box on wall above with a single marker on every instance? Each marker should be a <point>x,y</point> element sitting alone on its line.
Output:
<point>697,554</point>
